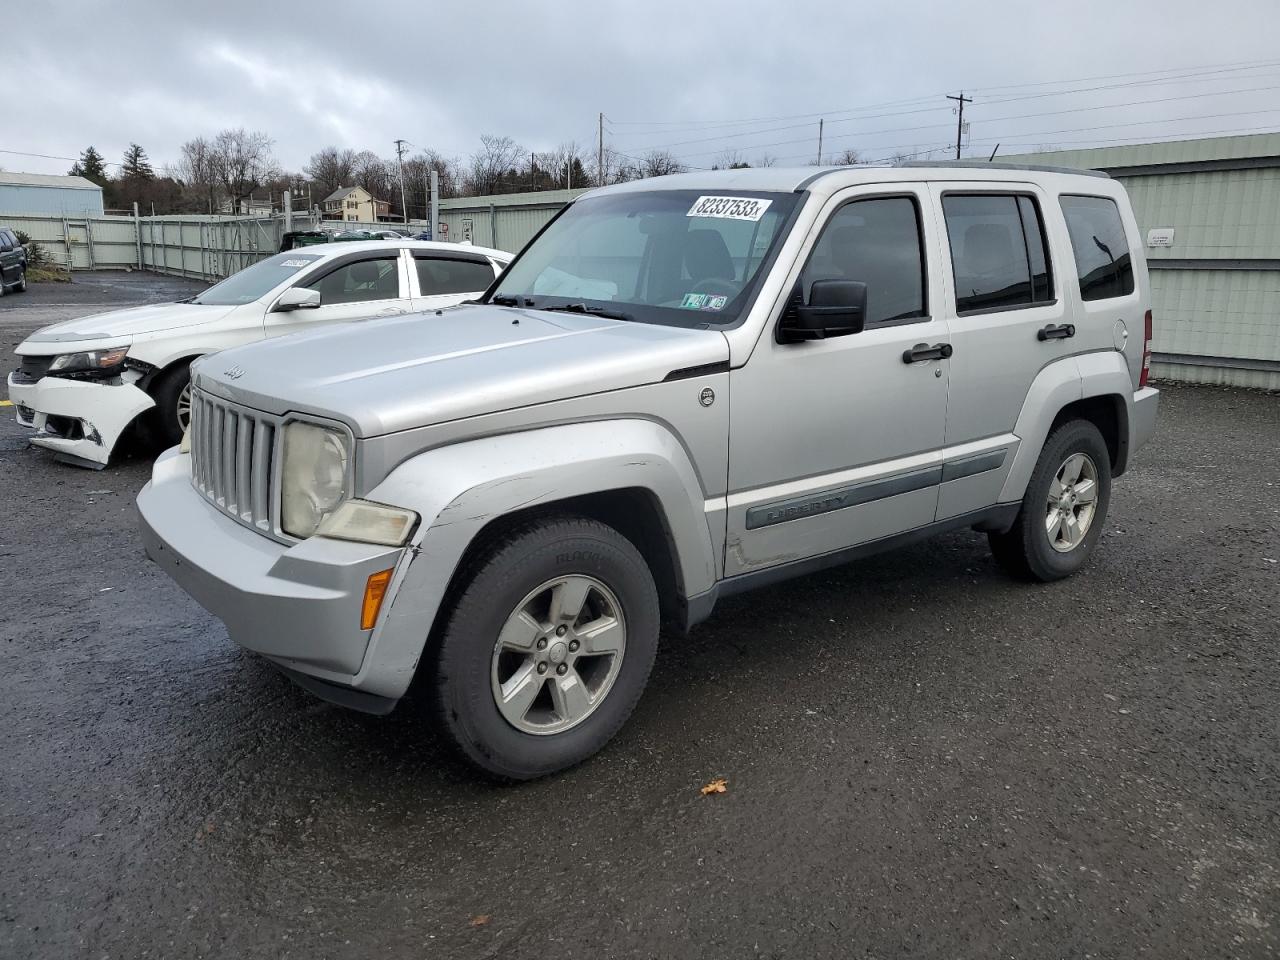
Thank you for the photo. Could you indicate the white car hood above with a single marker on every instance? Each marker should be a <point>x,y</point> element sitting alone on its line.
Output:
<point>118,325</point>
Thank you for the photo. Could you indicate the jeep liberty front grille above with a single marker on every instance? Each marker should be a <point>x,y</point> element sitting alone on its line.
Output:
<point>233,454</point>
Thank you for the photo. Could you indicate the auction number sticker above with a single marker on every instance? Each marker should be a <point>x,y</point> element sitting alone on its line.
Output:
<point>729,208</point>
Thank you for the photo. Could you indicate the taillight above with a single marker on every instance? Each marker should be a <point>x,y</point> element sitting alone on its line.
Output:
<point>1146,350</point>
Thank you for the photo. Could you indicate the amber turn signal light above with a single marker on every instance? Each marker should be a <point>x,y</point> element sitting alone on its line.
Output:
<point>375,588</point>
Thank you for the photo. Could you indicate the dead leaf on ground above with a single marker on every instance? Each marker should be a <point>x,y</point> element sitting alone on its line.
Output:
<point>479,920</point>
<point>718,785</point>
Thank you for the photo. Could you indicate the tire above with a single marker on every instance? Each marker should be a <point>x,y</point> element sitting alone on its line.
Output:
<point>21,285</point>
<point>476,659</point>
<point>1040,547</point>
<point>164,425</point>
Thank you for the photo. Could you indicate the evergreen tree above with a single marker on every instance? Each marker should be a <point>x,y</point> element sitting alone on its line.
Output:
<point>136,166</point>
<point>91,166</point>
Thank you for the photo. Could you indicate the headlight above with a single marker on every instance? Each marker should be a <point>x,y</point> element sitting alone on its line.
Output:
<point>313,478</point>
<point>367,522</point>
<point>91,360</point>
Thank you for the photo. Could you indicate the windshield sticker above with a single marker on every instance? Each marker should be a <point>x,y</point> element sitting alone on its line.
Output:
<point>729,208</point>
<point>297,263</point>
<point>702,301</point>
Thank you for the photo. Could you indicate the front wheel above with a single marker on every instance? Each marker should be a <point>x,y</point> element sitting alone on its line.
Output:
<point>547,648</point>
<point>172,414</point>
<point>1064,509</point>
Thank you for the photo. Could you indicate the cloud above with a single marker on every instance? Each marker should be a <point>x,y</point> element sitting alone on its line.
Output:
<point>663,72</point>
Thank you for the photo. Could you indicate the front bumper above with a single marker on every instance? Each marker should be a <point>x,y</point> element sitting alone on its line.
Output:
<point>298,605</point>
<point>80,420</point>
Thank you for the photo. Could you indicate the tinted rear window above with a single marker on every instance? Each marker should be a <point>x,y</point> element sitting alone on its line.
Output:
<point>998,253</point>
<point>440,275</point>
<point>1100,247</point>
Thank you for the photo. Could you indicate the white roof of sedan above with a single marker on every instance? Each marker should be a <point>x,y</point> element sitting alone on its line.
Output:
<point>347,246</point>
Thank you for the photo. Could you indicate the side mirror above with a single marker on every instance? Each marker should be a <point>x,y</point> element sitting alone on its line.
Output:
<point>297,298</point>
<point>836,308</point>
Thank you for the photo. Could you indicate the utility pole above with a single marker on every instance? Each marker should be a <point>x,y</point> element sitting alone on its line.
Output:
<point>600,149</point>
<point>404,205</point>
<point>962,100</point>
<point>820,141</point>
<point>434,215</point>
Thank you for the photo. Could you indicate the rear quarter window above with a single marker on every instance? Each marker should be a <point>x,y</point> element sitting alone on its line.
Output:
<point>1100,247</point>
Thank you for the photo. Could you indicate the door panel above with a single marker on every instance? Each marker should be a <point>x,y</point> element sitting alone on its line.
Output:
<point>836,442</point>
<point>372,287</point>
<point>997,344</point>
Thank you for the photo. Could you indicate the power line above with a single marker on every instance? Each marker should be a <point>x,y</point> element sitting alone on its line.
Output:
<point>1020,116</point>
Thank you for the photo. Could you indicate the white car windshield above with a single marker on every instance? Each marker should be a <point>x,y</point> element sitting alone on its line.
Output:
<point>255,281</point>
<point>681,257</point>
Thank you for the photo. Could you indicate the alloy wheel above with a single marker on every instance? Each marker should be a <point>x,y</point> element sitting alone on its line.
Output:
<point>558,655</point>
<point>1072,502</point>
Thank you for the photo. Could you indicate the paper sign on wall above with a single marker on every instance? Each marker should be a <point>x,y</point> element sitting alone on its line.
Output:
<point>1160,237</point>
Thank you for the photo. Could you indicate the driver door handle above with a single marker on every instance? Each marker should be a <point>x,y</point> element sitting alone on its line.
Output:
<point>1056,332</point>
<point>923,351</point>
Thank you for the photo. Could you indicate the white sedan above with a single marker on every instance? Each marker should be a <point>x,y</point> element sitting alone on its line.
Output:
<point>82,383</point>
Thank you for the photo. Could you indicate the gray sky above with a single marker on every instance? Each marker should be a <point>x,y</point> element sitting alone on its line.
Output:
<point>664,73</point>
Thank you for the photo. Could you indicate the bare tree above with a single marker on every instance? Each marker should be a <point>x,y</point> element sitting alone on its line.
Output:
<point>731,159</point>
<point>329,169</point>
<point>659,163</point>
<point>848,158</point>
<point>243,162</point>
<point>566,165</point>
<point>495,163</point>
<point>767,160</point>
<point>197,170</point>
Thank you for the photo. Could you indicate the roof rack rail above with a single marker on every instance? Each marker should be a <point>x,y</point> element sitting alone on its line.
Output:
<point>999,165</point>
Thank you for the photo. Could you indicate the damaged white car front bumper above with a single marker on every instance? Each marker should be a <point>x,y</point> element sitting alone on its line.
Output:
<point>79,420</point>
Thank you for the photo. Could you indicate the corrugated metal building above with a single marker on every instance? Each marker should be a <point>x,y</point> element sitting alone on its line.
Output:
<point>1209,211</point>
<point>505,221</point>
<point>49,194</point>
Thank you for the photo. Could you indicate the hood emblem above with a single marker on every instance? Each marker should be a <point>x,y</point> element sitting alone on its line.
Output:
<point>233,373</point>
<point>707,397</point>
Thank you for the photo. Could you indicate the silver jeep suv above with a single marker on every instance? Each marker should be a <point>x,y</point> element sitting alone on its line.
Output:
<point>683,388</point>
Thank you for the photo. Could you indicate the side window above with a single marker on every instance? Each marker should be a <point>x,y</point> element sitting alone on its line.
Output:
<point>998,252</point>
<point>876,242</point>
<point>374,279</point>
<point>438,275</point>
<point>1100,247</point>
<point>5,243</point>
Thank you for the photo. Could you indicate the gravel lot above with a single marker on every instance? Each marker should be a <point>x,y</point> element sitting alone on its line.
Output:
<point>923,757</point>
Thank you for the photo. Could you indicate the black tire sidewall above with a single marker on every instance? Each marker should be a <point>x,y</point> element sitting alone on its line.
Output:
<point>1044,562</point>
<point>164,422</point>
<point>464,697</point>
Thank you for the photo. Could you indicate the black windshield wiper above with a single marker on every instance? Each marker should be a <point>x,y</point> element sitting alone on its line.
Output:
<point>591,311</point>
<point>506,300</point>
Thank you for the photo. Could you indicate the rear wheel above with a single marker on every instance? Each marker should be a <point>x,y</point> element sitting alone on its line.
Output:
<point>1064,509</point>
<point>548,647</point>
<point>21,285</point>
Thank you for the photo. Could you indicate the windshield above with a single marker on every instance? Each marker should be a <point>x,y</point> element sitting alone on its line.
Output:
<point>255,281</point>
<point>684,257</point>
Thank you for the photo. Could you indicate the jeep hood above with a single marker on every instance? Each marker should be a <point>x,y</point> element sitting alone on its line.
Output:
<point>420,369</point>
<point>118,325</point>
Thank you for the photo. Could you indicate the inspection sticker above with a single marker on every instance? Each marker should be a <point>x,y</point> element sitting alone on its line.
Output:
<point>296,263</point>
<point>729,208</point>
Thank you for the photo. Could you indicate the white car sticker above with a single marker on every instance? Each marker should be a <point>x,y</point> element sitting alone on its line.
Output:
<point>296,263</point>
<point>729,208</point>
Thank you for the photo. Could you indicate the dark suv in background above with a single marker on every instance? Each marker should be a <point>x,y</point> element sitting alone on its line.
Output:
<point>13,263</point>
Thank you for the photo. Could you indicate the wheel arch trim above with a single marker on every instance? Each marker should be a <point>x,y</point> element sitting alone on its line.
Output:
<point>460,489</point>
<point>1056,387</point>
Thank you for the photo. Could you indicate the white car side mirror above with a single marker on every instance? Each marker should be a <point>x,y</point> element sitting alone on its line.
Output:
<point>297,298</point>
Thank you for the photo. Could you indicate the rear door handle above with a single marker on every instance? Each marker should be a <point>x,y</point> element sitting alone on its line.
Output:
<point>923,351</point>
<point>1056,332</point>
